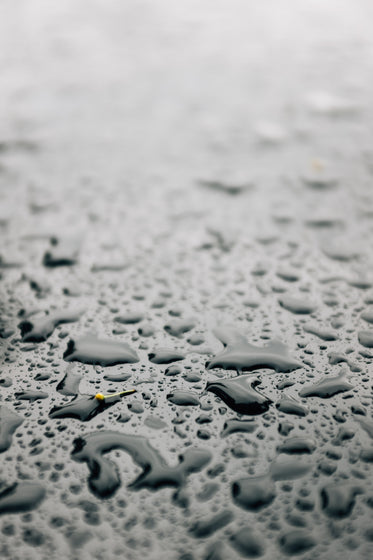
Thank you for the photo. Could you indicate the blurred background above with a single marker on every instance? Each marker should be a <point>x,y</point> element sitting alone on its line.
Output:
<point>188,86</point>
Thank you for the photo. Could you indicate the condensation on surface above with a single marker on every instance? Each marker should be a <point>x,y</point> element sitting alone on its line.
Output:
<point>186,209</point>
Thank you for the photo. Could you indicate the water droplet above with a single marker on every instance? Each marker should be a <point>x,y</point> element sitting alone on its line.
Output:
<point>288,405</point>
<point>69,385</point>
<point>243,356</point>
<point>178,327</point>
<point>41,328</point>
<point>130,318</point>
<point>296,541</point>
<point>9,422</point>
<point>64,252</point>
<point>31,395</point>
<point>183,398</point>
<point>240,394</point>
<point>91,350</point>
<point>104,480</point>
<point>248,543</point>
<point>366,338</point>
<point>254,493</point>
<point>206,527</point>
<point>21,497</point>
<point>84,408</point>
<point>233,426</point>
<point>324,334</point>
<point>295,445</point>
<point>327,387</point>
<point>296,305</point>
<point>165,356</point>
<point>338,500</point>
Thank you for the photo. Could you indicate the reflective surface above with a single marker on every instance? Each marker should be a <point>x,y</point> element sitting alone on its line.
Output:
<point>186,208</point>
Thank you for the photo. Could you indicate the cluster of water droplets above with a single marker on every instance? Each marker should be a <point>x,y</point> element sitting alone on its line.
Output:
<point>239,307</point>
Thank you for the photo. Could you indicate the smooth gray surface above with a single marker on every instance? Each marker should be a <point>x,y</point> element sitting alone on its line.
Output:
<point>205,159</point>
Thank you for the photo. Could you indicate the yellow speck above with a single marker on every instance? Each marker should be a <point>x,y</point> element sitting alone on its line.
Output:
<point>101,397</point>
<point>318,165</point>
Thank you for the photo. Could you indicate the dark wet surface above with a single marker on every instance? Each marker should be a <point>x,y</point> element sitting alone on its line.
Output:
<point>186,209</point>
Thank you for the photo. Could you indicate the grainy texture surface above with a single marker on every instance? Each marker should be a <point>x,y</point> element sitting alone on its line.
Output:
<point>186,208</point>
